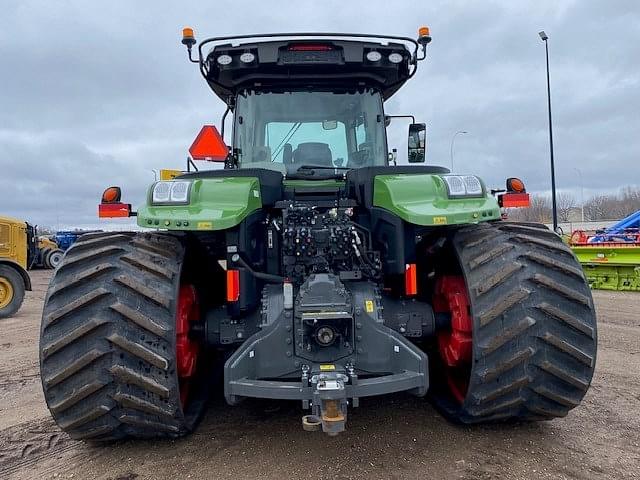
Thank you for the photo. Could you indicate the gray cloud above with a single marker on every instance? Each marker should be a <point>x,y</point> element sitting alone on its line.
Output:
<point>100,93</point>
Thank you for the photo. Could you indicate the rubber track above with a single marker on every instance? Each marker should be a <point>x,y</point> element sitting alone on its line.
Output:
<point>107,346</point>
<point>534,345</point>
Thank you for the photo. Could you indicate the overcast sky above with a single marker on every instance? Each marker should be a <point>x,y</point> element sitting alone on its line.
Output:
<point>98,93</point>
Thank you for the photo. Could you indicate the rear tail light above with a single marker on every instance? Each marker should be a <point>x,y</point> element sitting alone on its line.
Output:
<point>410,279</point>
<point>233,285</point>
<point>310,47</point>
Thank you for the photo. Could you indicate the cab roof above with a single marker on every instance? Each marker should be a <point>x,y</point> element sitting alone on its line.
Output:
<point>305,61</point>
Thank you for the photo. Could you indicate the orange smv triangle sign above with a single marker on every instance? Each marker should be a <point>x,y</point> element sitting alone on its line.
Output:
<point>209,146</point>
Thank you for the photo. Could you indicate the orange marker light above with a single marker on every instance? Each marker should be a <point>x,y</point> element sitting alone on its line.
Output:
<point>423,32</point>
<point>188,37</point>
<point>515,185</point>
<point>111,195</point>
<point>514,200</point>
<point>114,210</point>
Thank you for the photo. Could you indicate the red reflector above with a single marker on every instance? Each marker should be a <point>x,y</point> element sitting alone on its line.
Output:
<point>209,145</point>
<point>308,47</point>
<point>233,285</point>
<point>114,210</point>
<point>411,279</point>
<point>514,200</point>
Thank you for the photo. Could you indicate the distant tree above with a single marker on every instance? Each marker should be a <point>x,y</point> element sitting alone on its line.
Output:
<point>597,207</point>
<point>565,203</point>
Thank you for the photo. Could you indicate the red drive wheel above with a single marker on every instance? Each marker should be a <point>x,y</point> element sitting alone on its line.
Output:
<point>187,349</point>
<point>455,345</point>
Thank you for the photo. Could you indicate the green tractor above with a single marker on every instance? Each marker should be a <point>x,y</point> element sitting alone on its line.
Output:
<point>312,267</point>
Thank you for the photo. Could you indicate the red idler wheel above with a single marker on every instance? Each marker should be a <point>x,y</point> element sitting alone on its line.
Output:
<point>187,349</point>
<point>455,345</point>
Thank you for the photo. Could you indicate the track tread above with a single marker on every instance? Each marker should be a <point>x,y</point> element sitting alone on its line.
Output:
<point>80,277</point>
<point>148,265</point>
<point>69,369</point>
<point>506,335</point>
<point>140,288</point>
<point>72,336</point>
<point>535,338</point>
<point>107,346</point>
<point>139,351</point>
<point>567,318</point>
<point>140,319</point>
<point>84,300</point>
<point>75,396</point>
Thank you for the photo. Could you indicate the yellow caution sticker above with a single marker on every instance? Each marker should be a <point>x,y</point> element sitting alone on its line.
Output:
<point>327,367</point>
<point>368,306</point>
<point>204,225</point>
<point>439,220</point>
<point>169,174</point>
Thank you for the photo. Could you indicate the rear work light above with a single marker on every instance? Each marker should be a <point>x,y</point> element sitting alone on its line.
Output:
<point>247,57</point>
<point>395,57</point>
<point>374,56</point>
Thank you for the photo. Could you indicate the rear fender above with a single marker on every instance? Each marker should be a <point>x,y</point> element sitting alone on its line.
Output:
<point>423,200</point>
<point>215,204</point>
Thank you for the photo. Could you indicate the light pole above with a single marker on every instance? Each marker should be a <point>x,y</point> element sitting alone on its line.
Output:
<point>554,210</point>
<point>581,193</point>
<point>459,132</point>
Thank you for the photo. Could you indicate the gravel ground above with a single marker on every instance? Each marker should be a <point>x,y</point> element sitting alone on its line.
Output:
<point>391,437</point>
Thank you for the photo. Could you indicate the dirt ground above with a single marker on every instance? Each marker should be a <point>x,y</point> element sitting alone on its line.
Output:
<point>391,437</point>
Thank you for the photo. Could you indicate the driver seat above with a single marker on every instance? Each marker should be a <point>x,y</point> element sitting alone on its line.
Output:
<point>313,153</point>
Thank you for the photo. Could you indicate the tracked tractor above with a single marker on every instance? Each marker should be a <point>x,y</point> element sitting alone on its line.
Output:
<point>309,267</point>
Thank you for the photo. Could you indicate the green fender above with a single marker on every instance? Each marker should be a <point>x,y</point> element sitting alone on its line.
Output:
<point>214,204</point>
<point>423,200</point>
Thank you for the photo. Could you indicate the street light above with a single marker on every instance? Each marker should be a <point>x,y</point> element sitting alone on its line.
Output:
<point>459,132</point>
<point>581,193</point>
<point>554,210</point>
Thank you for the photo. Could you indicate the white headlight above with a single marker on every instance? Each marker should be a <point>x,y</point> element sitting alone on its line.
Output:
<point>395,58</point>
<point>171,192</point>
<point>161,192</point>
<point>463,185</point>
<point>180,191</point>
<point>472,185</point>
<point>374,56</point>
<point>455,185</point>
<point>247,57</point>
<point>224,59</point>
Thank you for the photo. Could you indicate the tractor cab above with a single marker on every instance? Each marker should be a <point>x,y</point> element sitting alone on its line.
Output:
<point>310,105</point>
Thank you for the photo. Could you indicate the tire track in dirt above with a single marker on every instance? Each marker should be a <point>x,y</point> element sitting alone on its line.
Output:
<point>26,444</point>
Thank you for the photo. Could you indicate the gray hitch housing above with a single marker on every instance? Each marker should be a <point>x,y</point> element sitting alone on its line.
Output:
<point>328,348</point>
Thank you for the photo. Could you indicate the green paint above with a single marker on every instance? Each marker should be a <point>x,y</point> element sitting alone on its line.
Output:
<point>423,200</point>
<point>610,267</point>
<point>215,204</point>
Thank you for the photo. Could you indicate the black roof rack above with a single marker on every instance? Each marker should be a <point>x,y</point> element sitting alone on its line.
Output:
<point>307,60</point>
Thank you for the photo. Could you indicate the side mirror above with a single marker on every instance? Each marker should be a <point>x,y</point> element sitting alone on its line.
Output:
<point>417,142</point>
